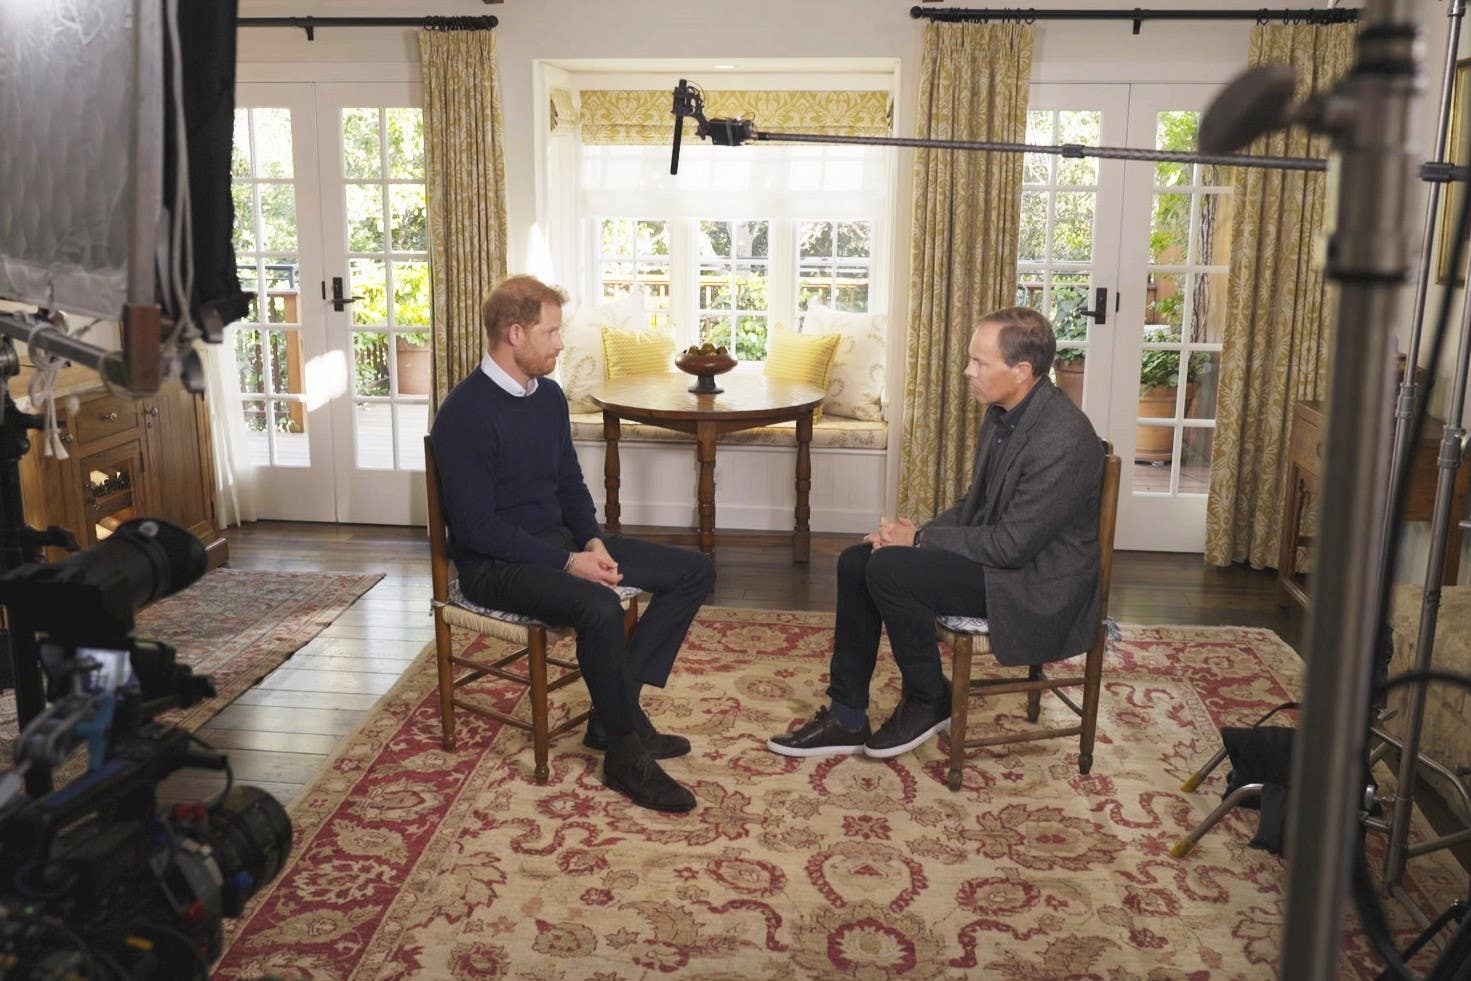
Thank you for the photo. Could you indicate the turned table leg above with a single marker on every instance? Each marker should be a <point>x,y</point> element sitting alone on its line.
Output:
<point>705,454</point>
<point>612,429</point>
<point>801,532</point>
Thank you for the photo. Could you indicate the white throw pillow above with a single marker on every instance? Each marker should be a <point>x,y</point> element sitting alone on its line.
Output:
<point>582,364</point>
<point>855,384</point>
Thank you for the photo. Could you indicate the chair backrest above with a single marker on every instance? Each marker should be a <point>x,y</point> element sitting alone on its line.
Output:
<point>1108,513</point>
<point>438,530</point>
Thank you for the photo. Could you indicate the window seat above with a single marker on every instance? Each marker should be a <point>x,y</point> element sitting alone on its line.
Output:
<point>828,433</point>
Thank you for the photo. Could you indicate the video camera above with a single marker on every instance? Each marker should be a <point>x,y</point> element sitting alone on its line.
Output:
<point>95,879</point>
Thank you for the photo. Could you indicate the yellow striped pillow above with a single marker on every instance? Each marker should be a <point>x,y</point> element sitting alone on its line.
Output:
<point>800,357</point>
<point>636,352</point>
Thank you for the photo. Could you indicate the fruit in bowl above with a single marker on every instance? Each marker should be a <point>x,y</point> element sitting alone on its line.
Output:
<point>705,361</point>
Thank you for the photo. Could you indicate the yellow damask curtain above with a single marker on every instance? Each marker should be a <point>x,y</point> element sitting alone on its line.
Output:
<point>465,171</point>
<point>1278,318</point>
<point>967,208</point>
<point>643,118</point>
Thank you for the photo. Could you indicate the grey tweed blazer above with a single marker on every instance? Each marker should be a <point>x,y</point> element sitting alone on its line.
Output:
<point>1038,536</point>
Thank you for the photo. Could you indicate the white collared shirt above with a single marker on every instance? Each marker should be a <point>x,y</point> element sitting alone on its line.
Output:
<point>499,375</point>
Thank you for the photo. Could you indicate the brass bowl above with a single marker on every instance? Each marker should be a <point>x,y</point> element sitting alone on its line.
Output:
<point>705,367</point>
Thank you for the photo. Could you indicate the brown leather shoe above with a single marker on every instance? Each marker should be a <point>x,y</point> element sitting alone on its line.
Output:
<point>823,736</point>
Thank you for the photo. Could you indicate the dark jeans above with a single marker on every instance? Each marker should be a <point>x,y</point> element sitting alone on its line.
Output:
<point>901,589</point>
<point>679,580</point>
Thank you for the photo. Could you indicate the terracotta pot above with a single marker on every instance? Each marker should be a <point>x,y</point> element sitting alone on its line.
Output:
<point>1156,444</point>
<point>413,369</point>
<point>1070,380</point>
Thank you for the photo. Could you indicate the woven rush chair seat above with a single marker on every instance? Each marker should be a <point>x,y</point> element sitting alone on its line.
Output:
<point>969,636</point>
<point>531,642</point>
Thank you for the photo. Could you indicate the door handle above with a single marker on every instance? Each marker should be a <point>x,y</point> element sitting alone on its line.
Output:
<point>1099,313</point>
<point>340,302</point>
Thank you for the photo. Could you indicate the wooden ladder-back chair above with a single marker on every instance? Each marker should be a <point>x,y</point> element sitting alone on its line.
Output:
<point>968,636</point>
<point>532,639</point>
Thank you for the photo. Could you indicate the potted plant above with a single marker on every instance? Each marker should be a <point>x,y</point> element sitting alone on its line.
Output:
<point>1067,366</point>
<point>412,352</point>
<point>1159,379</point>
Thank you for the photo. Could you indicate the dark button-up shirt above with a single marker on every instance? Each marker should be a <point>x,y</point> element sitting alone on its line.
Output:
<point>1006,422</point>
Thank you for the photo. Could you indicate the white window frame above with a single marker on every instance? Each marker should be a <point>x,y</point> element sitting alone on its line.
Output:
<point>783,273</point>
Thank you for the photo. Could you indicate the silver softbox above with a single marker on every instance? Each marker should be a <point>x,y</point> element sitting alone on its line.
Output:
<point>81,142</point>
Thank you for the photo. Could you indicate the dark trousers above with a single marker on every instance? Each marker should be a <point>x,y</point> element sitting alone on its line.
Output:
<point>679,579</point>
<point>901,589</point>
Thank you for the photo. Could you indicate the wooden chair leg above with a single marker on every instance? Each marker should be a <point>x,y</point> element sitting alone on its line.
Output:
<point>960,654</point>
<point>536,662</point>
<point>1034,698</point>
<point>446,682</point>
<point>1092,684</point>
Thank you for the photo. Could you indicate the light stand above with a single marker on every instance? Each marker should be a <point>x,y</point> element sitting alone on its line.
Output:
<point>1448,462</point>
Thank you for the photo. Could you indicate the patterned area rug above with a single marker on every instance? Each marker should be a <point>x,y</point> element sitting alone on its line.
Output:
<point>235,626</point>
<point>415,862</point>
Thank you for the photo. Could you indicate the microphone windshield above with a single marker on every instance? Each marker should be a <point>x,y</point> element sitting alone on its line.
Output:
<point>1255,102</point>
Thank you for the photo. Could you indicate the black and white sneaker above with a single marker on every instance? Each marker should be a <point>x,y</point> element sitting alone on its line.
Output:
<point>911,725</point>
<point>823,736</point>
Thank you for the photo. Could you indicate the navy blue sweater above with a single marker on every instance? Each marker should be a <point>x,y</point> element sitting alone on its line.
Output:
<point>509,476</point>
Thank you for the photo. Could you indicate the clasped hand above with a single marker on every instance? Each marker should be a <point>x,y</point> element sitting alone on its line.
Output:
<point>594,564</point>
<point>900,532</point>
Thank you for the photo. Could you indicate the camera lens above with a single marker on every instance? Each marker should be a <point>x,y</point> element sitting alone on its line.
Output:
<point>251,837</point>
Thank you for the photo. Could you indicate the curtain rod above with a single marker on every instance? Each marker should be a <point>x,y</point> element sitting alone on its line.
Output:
<point>310,24</point>
<point>1335,15</point>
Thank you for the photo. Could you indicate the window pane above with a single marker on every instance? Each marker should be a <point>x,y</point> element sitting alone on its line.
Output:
<point>285,374</point>
<point>278,217</point>
<point>1212,245</point>
<point>1082,127</point>
<point>715,289</point>
<point>1196,447</point>
<point>1164,304</point>
<point>240,145</point>
<point>364,217</point>
<point>1208,308</point>
<point>413,423</point>
<point>249,282</point>
<point>272,143</point>
<point>1072,228</point>
<point>1169,228</point>
<point>243,196</point>
<point>751,240</point>
<point>1032,236</point>
<point>1203,379</point>
<point>714,239</point>
<point>618,278</point>
<point>617,237</point>
<point>250,360</point>
<point>373,435</point>
<point>405,143</point>
<point>653,238</point>
<point>750,287</point>
<point>815,240</point>
<point>411,357</point>
<point>411,294</point>
<point>369,363</point>
<point>289,440</point>
<point>361,149</point>
<point>366,281</point>
<point>751,338</point>
<point>853,239</point>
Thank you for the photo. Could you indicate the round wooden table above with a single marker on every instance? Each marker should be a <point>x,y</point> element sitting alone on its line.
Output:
<point>748,401</point>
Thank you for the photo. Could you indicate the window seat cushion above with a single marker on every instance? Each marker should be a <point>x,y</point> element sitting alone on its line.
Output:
<point>829,432</point>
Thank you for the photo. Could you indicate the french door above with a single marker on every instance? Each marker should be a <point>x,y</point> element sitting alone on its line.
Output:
<point>1130,261</point>
<point>332,236</point>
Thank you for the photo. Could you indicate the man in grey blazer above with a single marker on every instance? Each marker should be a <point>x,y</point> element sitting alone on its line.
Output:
<point>1020,549</point>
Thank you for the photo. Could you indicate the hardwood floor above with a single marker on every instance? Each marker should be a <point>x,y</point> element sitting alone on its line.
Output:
<point>278,733</point>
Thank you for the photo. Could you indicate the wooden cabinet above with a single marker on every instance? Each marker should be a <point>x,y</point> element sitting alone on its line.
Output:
<point>128,458</point>
<point>1304,470</point>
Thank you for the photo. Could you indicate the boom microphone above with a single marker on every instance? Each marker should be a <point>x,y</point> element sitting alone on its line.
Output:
<point>681,98</point>
<point>1256,102</point>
